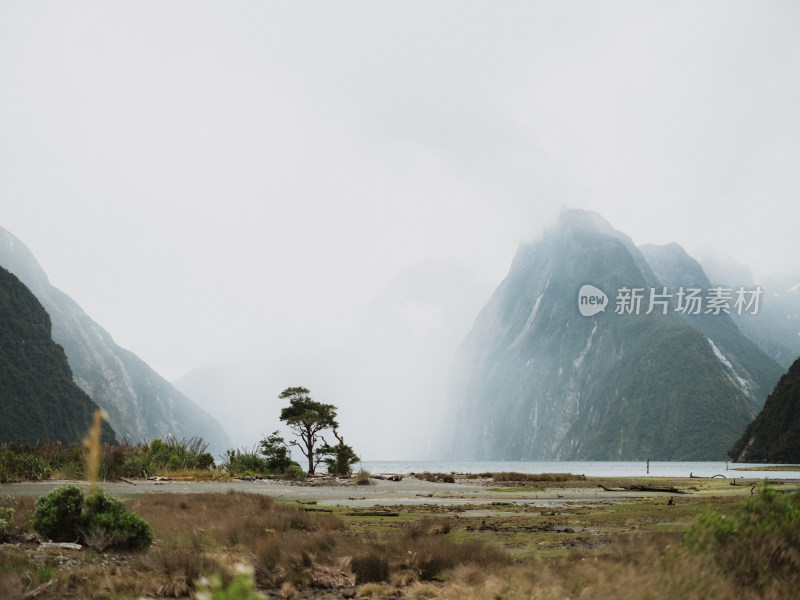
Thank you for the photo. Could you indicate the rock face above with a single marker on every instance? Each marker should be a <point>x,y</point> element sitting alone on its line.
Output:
<point>141,404</point>
<point>774,435</point>
<point>39,402</point>
<point>538,380</point>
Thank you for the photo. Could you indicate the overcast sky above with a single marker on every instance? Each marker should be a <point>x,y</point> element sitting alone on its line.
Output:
<point>213,181</point>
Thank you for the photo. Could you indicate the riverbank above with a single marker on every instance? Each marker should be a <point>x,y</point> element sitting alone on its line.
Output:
<point>409,490</point>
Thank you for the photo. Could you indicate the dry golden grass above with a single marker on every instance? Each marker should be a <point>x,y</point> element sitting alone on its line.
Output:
<point>300,554</point>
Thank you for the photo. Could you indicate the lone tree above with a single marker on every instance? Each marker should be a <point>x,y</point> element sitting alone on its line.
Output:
<point>307,418</point>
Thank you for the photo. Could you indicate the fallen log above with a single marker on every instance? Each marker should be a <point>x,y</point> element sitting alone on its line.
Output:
<point>387,476</point>
<point>121,478</point>
<point>643,488</point>
<point>607,489</point>
<point>35,592</point>
<point>693,476</point>
<point>61,545</point>
<point>372,513</point>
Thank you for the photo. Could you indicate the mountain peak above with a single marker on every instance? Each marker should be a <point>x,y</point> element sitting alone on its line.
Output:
<point>539,379</point>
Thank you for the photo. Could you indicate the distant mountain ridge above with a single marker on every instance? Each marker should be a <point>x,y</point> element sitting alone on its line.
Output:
<point>39,402</point>
<point>537,380</point>
<point>141,404</point>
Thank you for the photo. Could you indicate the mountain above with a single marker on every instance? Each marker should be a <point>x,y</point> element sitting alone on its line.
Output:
<point>746,361</point>
<point>776,327</point>
<point>38,399</point>
<point>774,435</point>
<point>140,403</point>
<point>542,377</point>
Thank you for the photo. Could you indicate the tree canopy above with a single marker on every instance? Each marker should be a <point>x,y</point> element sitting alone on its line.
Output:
<point>307,419</point>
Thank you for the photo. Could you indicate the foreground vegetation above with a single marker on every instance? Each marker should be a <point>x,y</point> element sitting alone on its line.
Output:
<point>240,546</point>
<point>53,460</point>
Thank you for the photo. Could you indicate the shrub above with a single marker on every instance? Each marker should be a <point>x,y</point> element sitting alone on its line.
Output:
<point>276,452</point>
<point>19,462</point>
<point>295,473</point>
<point>57,516</point>
<point>760,540</point>
<point>363,477</point>
<point>100,520</point>
<point>137,464</point>
<point>440,477</point>
<point>339,458</point>
<point>6,515</point>
<point>105,514</point>
<point>245,462</point>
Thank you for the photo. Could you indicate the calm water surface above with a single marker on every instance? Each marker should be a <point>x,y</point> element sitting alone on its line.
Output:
<point>590,468</point>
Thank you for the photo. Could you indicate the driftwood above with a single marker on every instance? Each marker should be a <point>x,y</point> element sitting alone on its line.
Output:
<point>121,478</point>
<point>692,476</point>
<point>36,591</point>
<point>643,488</point>
<point>62,545</point>
<point>387,476</point>
<point>326,510</point>
<point>373,513</point>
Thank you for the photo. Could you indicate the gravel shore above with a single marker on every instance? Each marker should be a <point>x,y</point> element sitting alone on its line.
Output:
<point>345,493</point>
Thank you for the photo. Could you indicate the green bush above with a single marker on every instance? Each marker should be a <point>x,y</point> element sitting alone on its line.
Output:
<point>245,462</point>
<point>174,463</point>
<point>295,473</point>
<point>99,520</point>
<point>137,464</point>
<point>276,452</point>
<point>19,462</point>
<point>107,517</point>
<point>57,516</point>
<point>6,516</point>
<point>339,458</point>
<point>759,541</point>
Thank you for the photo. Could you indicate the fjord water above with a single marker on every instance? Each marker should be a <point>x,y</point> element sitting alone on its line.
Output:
<point>589,468</point>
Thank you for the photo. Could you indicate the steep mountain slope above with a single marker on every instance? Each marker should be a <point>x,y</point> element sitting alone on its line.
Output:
<point>745,360</point>
<point>38,399</point>
<point>537,380</point>
<point>774,435</point>
<point>141,404</point>
<point>776,327</point>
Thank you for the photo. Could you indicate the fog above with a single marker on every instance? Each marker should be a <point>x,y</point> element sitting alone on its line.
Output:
<point>240,183</point>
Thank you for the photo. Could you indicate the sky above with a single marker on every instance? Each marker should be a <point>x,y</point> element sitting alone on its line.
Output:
<point>217,181</point>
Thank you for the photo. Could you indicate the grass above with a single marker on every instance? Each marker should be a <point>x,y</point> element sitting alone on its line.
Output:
<point>601,550</point>
<point>771,468</point>
<point>549,477</point>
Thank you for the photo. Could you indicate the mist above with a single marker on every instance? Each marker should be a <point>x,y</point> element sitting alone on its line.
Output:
<point>236,189</point>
